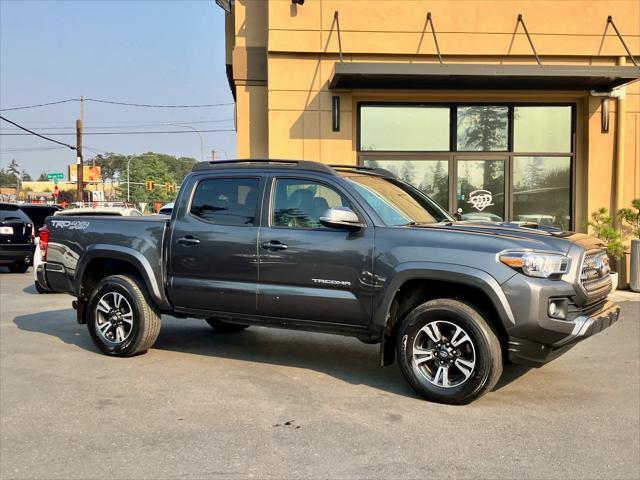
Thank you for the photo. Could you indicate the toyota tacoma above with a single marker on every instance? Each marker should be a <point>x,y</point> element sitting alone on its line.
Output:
<point>337,249</point>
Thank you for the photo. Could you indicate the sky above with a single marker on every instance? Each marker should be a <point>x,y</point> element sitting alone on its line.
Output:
<point>160,52</point>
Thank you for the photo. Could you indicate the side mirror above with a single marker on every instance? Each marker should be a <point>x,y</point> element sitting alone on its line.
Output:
<point>342,218</point>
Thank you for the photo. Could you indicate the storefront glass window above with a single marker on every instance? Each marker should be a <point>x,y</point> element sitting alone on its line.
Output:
<point>480,190</point>
<point>404,128</point>
<point>542,191</point>
<point>542,129</point>
<point>483,128</point>
<point>430,176</point>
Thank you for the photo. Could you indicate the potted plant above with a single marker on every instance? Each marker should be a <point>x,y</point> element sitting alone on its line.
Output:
<point>632,217</point>
<point>603,228</point>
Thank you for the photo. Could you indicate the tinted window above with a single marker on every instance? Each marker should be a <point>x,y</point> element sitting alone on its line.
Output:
<point>404,128</point>
<point>226,201</point>
<point>38,214</point>
<point>542,129</point>
<point>542,191</point>
<point>301,203</point>
<point>482,128</point>
<point>12,212</point>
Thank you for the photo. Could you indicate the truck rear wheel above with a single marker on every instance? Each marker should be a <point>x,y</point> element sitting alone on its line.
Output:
<point>448,353</point>
<point>121,320</point>
<point>225,327</point>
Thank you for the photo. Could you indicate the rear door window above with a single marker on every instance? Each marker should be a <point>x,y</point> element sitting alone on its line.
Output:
<point>226,201</point>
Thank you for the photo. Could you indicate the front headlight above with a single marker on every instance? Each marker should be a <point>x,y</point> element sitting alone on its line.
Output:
<point>543,265</point>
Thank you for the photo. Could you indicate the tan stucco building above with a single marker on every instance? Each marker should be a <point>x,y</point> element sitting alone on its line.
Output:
<point>361,81</point>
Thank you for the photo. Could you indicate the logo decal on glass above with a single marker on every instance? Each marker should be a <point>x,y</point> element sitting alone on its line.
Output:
<point>480,199</point>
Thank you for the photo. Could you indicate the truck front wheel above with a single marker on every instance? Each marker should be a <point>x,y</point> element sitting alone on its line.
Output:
<point>121,320</point>
<point>448,353</point>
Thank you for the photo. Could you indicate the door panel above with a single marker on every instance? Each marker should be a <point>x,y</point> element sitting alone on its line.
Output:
<point>307,271</point>
<point>214,248</point>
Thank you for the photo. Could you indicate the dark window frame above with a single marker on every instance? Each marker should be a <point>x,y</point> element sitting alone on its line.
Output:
<point>454,155</point>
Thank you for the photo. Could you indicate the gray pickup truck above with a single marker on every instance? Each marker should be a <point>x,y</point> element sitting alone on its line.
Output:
<point>336,249</point>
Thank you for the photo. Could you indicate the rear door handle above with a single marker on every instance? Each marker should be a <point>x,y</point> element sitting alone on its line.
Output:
<point>188,241</point>
<point>274,245</point>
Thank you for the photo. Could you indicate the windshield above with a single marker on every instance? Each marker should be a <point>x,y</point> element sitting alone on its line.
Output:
<point>397,203</point>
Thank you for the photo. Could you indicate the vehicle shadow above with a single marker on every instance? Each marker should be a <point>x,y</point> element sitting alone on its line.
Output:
<point>343,358</point>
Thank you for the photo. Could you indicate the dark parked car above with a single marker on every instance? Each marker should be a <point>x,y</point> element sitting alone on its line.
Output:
<point>38,213</point>
<point>16,238</point>
<point>338,249</point>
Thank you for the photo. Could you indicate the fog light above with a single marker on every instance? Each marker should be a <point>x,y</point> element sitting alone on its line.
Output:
<point>558,308</point>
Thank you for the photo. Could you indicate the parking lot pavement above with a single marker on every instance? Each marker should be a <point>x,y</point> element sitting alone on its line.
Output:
<point>278,404</point>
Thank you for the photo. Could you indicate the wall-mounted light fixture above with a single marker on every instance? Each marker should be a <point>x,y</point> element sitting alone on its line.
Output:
<point>297,2</point>
<point>335,113</point>
<point>604,115</point>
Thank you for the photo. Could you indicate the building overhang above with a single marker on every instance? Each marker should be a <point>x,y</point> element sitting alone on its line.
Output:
<point>356,75</point>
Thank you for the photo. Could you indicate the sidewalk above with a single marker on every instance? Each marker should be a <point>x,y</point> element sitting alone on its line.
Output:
<point>624,296</point>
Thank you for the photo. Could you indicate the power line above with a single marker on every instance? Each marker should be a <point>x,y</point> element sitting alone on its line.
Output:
<point>112,102</point>
<point>30,149</point>
<point>40,105</point>
<point>34,133</point>
<point>164,124</point>
<point>115,133</point>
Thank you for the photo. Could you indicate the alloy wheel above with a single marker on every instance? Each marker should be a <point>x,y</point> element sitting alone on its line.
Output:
<point>444,354</point>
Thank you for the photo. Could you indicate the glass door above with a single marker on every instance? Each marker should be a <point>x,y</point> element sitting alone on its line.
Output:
<point>481,188</point>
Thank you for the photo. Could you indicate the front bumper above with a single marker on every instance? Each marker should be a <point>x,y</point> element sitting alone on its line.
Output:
<point>535,354</point>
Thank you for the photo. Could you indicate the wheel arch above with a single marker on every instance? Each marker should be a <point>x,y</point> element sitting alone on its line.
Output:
<point>416,284</point>
<point>99,262</point>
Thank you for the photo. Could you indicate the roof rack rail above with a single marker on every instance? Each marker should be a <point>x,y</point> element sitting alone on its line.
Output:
<point>378,170</point>
<point>303,164</point>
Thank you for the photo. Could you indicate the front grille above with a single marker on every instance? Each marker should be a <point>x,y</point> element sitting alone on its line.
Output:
<point>595,272</point>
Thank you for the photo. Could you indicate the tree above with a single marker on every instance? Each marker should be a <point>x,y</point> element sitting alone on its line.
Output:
<point>43,177</point>
<point>482,128</point>
<point>25,177</point>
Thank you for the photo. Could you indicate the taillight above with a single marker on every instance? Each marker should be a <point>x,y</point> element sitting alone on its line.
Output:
<point>44,243</point>
<point>33,233</point>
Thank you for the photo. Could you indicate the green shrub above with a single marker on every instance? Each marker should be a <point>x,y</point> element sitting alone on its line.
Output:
<point>632,217</point>
<point>603,228</point>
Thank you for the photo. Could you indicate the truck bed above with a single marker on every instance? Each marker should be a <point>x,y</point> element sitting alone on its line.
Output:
<point>74,241</point>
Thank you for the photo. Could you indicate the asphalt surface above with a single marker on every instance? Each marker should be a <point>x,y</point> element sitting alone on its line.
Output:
<point>277,404</point>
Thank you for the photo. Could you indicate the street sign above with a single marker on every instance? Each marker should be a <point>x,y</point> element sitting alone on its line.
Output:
<point>55,181</point>
<point>56,176</point>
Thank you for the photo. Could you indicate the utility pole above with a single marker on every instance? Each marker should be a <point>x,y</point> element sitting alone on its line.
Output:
<point>79,159</point>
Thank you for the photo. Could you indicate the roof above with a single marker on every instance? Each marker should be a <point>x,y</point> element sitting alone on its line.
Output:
<point>362,75</point>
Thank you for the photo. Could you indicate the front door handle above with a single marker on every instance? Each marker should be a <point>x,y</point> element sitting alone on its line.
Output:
<point>188,241</point>
<point>274,245</point>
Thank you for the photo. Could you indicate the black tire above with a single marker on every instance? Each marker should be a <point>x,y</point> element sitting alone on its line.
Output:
<point>19,267</point>
<point>423,371</point>
<point>225,327</point>
<point>144,327</point>
<point>40,288</point>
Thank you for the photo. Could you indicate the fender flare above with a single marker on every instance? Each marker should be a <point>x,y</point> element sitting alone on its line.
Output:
<point>448,272</point>
<point>131,256</point>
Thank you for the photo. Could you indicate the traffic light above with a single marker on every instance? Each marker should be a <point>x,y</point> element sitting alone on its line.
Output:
<point>149,184</point>
<point>171,187</point>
